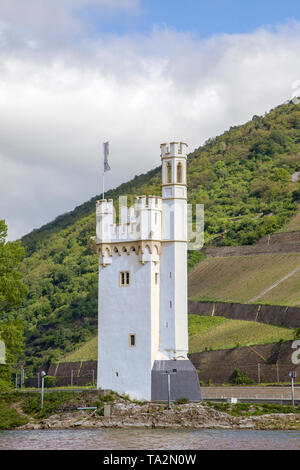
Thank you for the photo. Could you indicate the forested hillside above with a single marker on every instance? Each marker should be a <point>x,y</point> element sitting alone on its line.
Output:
<point>244,179</point>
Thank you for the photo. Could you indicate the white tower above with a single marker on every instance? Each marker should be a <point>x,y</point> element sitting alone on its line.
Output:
<point>143,290</point>
<point>173,325</point>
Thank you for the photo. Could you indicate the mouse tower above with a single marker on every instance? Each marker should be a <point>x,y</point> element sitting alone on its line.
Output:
<point>142,319</point>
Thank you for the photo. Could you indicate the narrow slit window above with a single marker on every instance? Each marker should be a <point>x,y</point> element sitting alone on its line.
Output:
<point>131,341</point>
<point>169,172</point>
<point>171,304</point>
<point>179,173</point>
<point>124,278</point>
<point>156,278</point>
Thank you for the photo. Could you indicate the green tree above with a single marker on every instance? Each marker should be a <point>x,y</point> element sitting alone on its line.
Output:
<point>12,292</point>
<point>11,333</point>
<point>12,289</point>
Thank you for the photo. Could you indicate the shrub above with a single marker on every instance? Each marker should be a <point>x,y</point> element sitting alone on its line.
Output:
<point>240,378</point>
<point>182,401</point>
<point>53,402</point>
<point>50,381</point>
<point>297,333</point>
<point>10,418</point>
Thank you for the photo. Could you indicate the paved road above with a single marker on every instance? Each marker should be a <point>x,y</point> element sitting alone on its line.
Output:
<point>260,393</point>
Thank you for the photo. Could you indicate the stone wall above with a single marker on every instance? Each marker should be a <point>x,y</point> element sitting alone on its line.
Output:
<point>247,250</point>
<point>262,363</point>
<point>70,373</point>
<point>288,317</point>
<point>268,362</point>
<point>288,242</point>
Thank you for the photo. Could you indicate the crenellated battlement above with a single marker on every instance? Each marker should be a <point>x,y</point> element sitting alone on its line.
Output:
<point>142,221</point>
<point>173,149</point>
<point>104,206</point>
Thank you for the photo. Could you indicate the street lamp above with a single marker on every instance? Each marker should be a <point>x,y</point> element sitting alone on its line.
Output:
<point>43,375</point>
<point>292,375</point>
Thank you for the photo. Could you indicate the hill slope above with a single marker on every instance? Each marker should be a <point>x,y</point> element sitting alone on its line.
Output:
<point>244,279</point>
<point>244,179</point>
<point>207,332</point>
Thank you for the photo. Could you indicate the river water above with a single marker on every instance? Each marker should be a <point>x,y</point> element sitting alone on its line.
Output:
<point>149,439</point>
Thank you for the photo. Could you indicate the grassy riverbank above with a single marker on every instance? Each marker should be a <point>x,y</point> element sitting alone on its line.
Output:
<point>23,411</point>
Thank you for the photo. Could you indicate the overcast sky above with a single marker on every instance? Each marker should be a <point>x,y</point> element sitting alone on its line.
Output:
<point>75,73</point>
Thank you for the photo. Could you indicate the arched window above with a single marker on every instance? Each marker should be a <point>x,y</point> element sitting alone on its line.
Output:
<point>169,172</point>
<point>179,173</point>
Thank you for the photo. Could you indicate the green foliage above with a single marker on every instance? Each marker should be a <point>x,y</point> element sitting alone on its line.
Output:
<point>11,333</point>
<point>243,178</point>
<point>109,397</point>
<point>10,418</point>
<point>194,257</point>
<point>50,381</point>
<point>182,401</point>
<point>250,409</point>
<point>199,324</point>
<point>240,378</point>
<point>12,289</point>
<point>297,333</point>
<point>5,384</point>
<point>53,402</point>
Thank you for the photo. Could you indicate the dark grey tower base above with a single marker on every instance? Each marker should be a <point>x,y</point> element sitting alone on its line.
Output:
<point>184,383</point>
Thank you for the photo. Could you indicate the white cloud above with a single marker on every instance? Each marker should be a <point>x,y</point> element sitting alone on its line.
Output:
<point>50,24</point>
<point>136,91</point>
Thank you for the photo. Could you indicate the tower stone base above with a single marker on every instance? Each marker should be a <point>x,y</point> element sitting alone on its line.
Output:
<point>184,383</point>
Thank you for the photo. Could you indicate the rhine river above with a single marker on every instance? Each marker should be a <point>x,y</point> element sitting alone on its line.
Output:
<point>149,439</point>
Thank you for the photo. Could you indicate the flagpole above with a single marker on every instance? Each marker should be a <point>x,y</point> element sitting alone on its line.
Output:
<point>106,166</point>
<point>103,192</point>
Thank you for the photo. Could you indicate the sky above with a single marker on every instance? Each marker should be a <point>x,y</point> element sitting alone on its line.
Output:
<point>76,73</point>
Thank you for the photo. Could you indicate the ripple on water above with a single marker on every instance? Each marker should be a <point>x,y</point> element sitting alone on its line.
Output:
<point>152,439</point>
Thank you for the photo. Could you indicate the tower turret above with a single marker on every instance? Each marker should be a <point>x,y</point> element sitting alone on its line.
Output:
<point>173,323</point>
<point>174,158</point>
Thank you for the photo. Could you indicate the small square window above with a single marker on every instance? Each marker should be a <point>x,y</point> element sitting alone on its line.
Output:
<point>124,278</point>
<point>131,340</point>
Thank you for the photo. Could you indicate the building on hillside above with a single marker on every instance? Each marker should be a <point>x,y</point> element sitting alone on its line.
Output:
<point>143,331</point>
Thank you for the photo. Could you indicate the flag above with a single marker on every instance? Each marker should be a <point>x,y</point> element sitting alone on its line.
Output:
<point>106,152</point>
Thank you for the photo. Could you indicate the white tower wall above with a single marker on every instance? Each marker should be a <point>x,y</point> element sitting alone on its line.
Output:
<point>134,310</point>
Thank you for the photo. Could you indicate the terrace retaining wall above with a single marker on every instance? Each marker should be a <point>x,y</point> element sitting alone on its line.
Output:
<point>288,317</point>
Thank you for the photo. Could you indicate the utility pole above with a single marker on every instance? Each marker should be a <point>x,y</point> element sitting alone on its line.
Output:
<point>169,373</point>
<point>22,377</point>
<point>292,375</point>
<point>43,374</point>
